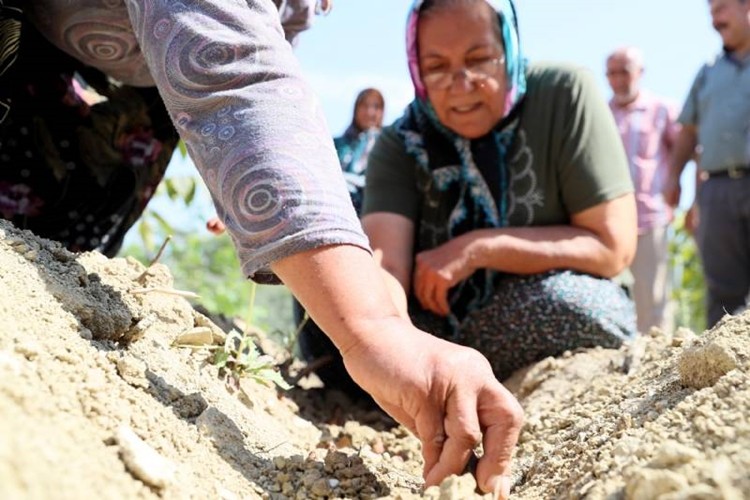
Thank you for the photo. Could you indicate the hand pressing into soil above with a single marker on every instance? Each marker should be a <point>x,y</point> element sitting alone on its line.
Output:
<point>446,394</point>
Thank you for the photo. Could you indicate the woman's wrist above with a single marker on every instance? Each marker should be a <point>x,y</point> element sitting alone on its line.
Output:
<point>476,250</point>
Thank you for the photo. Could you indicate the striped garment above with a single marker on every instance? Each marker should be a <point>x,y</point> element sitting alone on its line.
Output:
<point>648,127</point>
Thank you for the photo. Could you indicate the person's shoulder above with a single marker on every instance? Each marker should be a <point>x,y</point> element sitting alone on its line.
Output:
<point>559,84</point>
<point>716,60</point>
<point>389,131</point>
<point>349,137</point>
<point>389,155</point>
<point>549,75</point>
<point>714,64</point>
<point>340,141</point>
<point>389,134</point>
<point>389,141</point>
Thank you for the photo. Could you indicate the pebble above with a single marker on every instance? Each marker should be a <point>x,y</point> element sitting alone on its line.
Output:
<point>143,461</point>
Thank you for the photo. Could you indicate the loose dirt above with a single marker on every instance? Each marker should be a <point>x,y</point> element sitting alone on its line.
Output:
<point>97,402</point>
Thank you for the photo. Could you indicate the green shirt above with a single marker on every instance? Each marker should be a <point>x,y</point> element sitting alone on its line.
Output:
<point>567,155</point>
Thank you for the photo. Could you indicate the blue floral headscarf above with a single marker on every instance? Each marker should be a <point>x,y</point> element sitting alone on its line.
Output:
<point>464,183</point>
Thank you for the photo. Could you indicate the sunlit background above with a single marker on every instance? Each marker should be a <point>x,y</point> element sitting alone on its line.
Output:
<point>361,44</point>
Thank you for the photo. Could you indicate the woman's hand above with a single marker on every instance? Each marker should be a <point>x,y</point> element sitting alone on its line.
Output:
<point>436,271</point>
<point>447,396</point>
<point>445,393</point>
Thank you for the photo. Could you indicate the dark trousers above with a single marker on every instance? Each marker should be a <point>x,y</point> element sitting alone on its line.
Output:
<point>723,239</point>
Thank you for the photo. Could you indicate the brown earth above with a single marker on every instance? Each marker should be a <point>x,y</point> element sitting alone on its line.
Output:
<point>97,402</point>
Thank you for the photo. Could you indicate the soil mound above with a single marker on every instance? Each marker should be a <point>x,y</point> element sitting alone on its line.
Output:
<point>96,401</point>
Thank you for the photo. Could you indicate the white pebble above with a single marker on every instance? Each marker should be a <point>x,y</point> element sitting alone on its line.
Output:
<point>143,461</point>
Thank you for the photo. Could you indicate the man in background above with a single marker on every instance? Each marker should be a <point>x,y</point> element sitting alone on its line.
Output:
<point>716,119</point>
<point>648,128</point>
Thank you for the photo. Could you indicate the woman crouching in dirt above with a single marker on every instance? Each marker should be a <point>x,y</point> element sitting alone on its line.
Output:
<point>224,75</point>
<point>501,201</point>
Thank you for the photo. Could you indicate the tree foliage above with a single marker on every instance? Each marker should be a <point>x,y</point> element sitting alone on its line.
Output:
<point>688,284</point>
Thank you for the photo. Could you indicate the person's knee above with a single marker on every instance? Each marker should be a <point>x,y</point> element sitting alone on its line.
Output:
<point>531,318</point>
<point>590,306</point>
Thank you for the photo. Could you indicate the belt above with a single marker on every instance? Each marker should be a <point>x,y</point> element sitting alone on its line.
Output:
<point>737,172</point>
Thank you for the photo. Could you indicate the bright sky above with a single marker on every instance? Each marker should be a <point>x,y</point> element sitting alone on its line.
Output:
<point>361,44</point>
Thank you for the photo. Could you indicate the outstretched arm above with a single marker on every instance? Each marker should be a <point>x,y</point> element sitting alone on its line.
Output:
<point>445,394</point>
<point>253,128</point>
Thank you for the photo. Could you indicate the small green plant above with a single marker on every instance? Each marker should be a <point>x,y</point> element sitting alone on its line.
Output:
<point>688,284</point>
<point>239,357</point>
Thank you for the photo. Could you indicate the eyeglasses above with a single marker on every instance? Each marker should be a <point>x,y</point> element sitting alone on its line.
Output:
<point>474,72</point>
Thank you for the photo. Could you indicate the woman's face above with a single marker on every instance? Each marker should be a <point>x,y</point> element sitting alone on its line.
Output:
<point>369,113</point>
<point>453,40</point>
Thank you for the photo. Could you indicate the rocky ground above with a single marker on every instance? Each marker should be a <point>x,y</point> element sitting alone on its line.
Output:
<point>97,401</point>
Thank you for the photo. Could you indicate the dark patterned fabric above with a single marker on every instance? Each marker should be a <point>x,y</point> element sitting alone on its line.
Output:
<point>353,147</point>
<point>10,39</point>
<point>532,317</point>
<point>71,171</point>
<point>464,186</point>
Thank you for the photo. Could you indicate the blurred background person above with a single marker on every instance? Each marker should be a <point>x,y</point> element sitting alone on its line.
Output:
<point>648,128</point>
<point>354,145</point>
<point>716,120</point>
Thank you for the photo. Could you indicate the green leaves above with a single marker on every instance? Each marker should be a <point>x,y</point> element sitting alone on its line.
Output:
<point>182,148</point>
<point>152,226</point>
<point>688,284</point>
<point>208,265</point>
<point>180,188</point>
<point>239,357</point>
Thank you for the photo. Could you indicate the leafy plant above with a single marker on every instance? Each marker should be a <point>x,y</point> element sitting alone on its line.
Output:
<point>239,357</point>
<point>208,265</point>
<point>688,283</point>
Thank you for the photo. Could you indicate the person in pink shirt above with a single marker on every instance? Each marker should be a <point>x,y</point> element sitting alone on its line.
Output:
<point>648,128</point>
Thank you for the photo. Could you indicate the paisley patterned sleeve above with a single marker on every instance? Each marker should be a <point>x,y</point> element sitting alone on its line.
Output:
<point>252,126</point>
